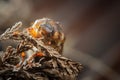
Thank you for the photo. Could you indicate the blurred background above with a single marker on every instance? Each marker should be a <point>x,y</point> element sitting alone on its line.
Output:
<point>92,29</point>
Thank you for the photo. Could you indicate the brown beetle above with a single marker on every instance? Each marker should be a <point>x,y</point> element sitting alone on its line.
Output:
<point>50,32</point>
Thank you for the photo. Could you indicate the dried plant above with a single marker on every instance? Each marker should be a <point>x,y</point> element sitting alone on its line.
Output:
<point>34,58</point>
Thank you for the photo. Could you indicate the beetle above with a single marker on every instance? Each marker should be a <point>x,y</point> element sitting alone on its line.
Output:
<point>50,32</point>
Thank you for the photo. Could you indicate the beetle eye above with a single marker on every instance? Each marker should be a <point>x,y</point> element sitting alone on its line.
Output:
<point>47,27</point>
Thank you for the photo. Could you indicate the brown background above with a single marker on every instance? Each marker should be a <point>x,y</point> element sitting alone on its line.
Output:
<point>92,28</point>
